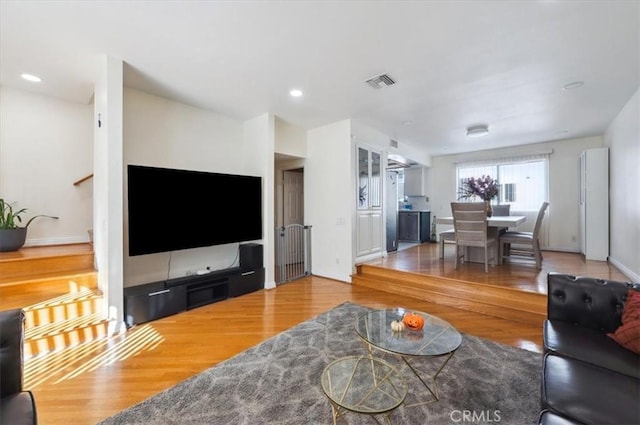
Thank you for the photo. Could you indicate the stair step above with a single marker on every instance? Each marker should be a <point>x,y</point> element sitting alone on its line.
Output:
<point>57,287</point>
<point>533,302</point>
<point>26,291</point>
<point>63,334</point>
<point>30,261</point>
<point>493,300</point>
<point>64,307</point>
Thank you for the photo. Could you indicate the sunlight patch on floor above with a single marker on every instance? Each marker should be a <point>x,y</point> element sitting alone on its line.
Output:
<point>71,362</point>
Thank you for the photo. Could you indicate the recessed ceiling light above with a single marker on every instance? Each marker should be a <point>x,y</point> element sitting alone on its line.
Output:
<point>477,131</point>
<point>573,85</point>
<point>407,122</point>
<point>32,78</point>
<point>295,93</point>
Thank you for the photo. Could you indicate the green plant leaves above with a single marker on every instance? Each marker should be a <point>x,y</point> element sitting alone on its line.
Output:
<point>10,219</point>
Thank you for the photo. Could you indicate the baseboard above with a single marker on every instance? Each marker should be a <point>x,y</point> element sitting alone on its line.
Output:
<point>634,277</point>
<point>369,257</point>
<point>560,249</point>
<point>57,241</point>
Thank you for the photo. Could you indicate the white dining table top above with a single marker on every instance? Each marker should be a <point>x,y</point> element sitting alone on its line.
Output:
<point>493,221</point>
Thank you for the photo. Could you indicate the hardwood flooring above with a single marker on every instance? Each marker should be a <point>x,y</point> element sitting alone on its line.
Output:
<point>86,385</point>
<point>522,275</point>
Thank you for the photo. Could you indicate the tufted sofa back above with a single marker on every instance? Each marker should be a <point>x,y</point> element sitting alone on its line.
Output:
<point>589,302</point>
<point>11,351</point>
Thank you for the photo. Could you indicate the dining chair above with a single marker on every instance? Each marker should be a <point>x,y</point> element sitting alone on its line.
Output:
<point>501,210</point>
<point>523,244</point>
<point>470,226</point>
<point>446,236</point>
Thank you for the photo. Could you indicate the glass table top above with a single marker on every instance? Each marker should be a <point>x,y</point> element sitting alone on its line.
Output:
<point>364,384</point>
<point>436,338</point>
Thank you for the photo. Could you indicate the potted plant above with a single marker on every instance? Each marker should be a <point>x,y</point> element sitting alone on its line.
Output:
<point>12,236</point>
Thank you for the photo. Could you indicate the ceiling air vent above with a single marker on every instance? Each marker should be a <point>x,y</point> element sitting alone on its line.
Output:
<point>380,81</point>
<point>394,144</point>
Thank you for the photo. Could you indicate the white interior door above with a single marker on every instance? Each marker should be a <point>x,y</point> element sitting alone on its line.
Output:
<point>294,211</point>
<point>293,197</point>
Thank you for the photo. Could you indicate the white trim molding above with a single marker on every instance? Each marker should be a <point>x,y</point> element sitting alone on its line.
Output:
<point>625,270</point>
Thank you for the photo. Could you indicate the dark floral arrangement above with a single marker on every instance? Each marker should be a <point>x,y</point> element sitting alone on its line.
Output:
<point>483,187</point>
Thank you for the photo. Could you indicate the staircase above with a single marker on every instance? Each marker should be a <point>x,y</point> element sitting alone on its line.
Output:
<point>493,300</point>
<point>56,286</point>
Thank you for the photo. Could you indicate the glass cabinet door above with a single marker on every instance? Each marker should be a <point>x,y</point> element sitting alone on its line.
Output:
<point>363,179</point>
<point>375,181</point>
<point>369,179</point>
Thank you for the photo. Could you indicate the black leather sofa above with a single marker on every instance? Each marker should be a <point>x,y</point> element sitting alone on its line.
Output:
<point>587,377</point>
<point>17,407</point>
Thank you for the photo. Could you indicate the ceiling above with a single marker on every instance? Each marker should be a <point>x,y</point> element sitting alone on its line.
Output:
<point>455,63</point>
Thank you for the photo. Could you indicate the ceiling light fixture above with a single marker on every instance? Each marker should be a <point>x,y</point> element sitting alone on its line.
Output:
<point>295,93</point>
<point>477,131</point>
<point>573,85</point>
<point>30,77</point>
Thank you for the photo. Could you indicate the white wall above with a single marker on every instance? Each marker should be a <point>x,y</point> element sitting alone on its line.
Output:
<point>290,140</point>
<point>259,141</point>
<point>46,144</point>
<point>107,200</point>
<point>330,199</point>
<point>623,139</point>
<point>562,219</point>
<point>164,133</point>
<point>370,136</point>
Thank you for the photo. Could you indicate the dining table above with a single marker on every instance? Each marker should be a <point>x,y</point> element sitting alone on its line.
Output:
<point>495,224</point>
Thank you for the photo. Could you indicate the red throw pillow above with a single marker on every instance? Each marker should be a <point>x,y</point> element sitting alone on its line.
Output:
<point>628,333</point>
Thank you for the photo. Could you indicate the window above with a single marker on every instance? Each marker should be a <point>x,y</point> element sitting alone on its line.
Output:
<point>523,180</point>
<point>507,193</point>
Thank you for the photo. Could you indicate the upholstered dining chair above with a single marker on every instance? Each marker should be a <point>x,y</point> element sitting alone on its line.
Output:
<point>527,244</point>
<point>470,225</point>
<point>501,210</point>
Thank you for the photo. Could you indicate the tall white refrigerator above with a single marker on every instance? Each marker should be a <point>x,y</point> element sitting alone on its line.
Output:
<point>594,204</point>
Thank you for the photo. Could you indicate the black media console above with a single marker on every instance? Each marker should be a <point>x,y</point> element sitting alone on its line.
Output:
<point>160,299</point>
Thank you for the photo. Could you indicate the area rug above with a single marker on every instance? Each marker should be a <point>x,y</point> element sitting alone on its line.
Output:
<point>278,382</point>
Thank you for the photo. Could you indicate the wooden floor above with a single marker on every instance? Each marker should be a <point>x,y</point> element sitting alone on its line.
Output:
<point>86,385</point>
<point>89,383</point>
<point>522,275</point>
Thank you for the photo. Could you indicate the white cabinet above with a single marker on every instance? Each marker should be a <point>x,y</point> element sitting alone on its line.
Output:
<point>415,182</point>
<point>369,224</point>
<point>594,204</point>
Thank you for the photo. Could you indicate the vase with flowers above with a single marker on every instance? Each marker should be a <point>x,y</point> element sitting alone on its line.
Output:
<point>485,188</point>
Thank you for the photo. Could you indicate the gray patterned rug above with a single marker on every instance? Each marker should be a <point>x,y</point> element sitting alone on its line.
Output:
<point>278,382</point>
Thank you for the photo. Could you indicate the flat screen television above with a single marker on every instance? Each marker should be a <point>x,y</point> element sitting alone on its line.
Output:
<point>171,209</point>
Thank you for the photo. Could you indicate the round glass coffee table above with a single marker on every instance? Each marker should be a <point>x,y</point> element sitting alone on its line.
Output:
<point>437,339</point>
<point>363,384</point>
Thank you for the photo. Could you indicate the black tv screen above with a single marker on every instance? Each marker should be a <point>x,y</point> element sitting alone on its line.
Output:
<point>172,209</point>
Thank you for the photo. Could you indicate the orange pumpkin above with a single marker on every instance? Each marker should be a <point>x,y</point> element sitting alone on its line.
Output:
<point>413,321</point>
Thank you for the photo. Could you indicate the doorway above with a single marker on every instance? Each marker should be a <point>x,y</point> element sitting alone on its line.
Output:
<point>292,236</point>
